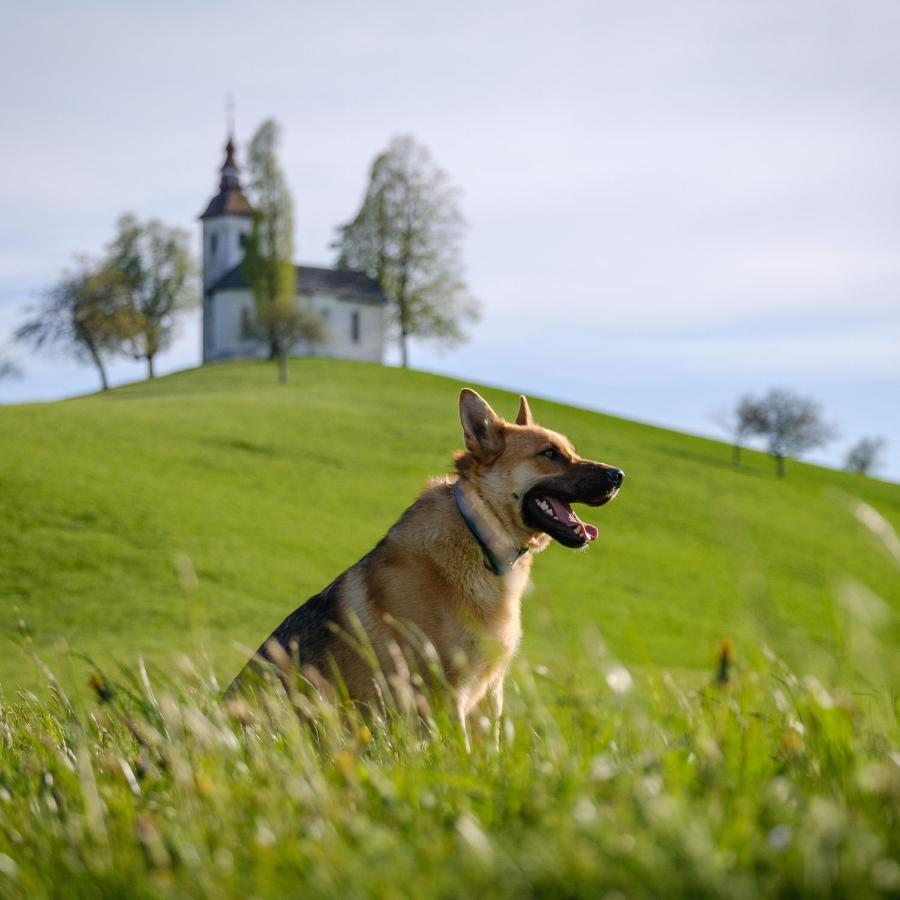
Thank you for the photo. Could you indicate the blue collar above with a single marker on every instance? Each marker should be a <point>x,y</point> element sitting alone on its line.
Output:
<point>492,560</point>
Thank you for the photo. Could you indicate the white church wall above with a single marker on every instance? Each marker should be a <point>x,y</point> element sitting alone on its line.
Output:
<point>227,327</point>
<point>222,246</point>
<point>343,339</point>
<point>364,342</point>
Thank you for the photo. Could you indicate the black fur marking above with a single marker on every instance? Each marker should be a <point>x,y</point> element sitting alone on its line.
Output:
<point>306,635</point>
<point>306,632</point>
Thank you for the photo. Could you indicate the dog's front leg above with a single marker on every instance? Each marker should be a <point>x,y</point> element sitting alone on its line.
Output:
<point>496,697</point>
<point>463,721</point>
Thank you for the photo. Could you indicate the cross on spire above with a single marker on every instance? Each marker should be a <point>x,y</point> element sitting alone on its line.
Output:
<point>229,115</point>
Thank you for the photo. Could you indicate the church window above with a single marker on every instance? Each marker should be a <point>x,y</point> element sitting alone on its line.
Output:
<point>246,325</point>
<point>242,240</point>
<point>354,326</point>
<point>213,243</point>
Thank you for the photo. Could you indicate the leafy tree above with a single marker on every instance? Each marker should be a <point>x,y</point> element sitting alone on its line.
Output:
<point>83,314</point>
<point>407,236</point>
<point>746,419</point>
<point>268,260</point>
<point>865,456</point>
<point>155,264</point>
<point>792,425</point>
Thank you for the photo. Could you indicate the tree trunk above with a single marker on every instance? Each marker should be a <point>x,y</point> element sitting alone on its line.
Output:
<point>151,372</point>
<point>404,317</point>
<point>779,466</point>
<point>736,454</point>
<point>98,362</point>
<point>282,368</point>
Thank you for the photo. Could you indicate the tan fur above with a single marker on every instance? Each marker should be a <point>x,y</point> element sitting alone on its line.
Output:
<point>428,575</point>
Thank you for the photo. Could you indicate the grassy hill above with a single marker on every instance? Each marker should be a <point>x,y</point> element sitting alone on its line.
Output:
<point>110,505</point>
<point>190,514</point>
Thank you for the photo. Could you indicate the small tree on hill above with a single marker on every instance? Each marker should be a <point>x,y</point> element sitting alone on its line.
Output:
<point>407,236</point>
<point>792,425</point>
<point>268,260</point>
<point>746,419</point>
<point>84,314</point>
<point>865,456</point>
<point>286,324</point>
<point>155,264</point>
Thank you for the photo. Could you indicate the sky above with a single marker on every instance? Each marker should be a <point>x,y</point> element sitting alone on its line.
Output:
<point>668,204</point>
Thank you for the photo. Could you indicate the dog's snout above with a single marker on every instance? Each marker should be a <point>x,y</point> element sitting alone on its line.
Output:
<point>616,476</point>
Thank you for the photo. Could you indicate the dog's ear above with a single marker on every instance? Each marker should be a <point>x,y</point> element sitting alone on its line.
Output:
<point>482,429</point>
<point>524,416</point>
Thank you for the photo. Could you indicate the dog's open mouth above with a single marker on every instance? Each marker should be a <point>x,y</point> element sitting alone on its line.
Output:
<point>555,517</point>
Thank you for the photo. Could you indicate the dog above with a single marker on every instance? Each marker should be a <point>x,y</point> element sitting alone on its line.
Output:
<point>452,569</point>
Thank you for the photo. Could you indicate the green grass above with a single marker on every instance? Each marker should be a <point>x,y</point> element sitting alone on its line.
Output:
<point>180,520</point>
<point>268,492</point>
<point>766,786</point>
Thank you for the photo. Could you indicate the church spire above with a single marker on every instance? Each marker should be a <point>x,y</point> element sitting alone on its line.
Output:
<point>230,179</point>
<point>230,200</point>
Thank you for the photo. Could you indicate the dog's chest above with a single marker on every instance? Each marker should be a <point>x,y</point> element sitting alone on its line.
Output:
<point>500,600</point>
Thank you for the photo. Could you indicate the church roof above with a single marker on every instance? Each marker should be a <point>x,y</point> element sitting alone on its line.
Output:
<point>230,201</point>
<point>340,283</point>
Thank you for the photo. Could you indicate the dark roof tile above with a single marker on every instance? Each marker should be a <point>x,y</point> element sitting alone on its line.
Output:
<point>228,202</point>
<point>341,283</point>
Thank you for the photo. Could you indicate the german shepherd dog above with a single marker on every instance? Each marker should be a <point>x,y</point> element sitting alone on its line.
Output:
<point>452,570</point>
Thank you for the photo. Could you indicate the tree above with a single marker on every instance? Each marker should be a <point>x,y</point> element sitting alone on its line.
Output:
<point>792,425</point>
<point>285,324</point>
<point>745,420</point>
<point>865,455</point>
<point>84,314</point>
<point>268,260</point>
<point>9,368</point>
<point>155,264</point>
<point>407,236</point>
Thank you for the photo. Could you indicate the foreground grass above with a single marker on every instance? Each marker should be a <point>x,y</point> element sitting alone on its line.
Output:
<point>196,511</point>
<point>766,785</point>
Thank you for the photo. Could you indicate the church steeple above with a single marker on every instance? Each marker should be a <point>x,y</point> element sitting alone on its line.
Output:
<point>230,200</point>
<point>226,226</point>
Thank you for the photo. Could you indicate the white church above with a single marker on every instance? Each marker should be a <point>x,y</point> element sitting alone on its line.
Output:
<point>351,304</point>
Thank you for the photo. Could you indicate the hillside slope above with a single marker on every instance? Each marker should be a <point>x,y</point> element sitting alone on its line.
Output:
<point>109,503</point>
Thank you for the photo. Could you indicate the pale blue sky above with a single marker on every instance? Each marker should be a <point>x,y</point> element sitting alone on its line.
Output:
<point>669,204</point>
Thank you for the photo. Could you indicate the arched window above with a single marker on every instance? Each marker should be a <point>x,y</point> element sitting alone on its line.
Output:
<point>354,326</point>
<point>213,244</point>
<point>242,240</point>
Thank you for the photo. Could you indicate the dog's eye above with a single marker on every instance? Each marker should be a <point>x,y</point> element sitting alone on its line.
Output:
<point>551,453</point>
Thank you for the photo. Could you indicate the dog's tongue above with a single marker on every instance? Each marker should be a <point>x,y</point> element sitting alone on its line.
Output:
<point>567,515</point>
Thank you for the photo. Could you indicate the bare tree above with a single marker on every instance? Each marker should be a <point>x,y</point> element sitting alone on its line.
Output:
<point>407,236</point>
<point>793,425</point>
<point>286,323</point>
<point>865,456</point>
<point>9,368</point>
<point>746,419</point>
<point>155,264</point>
<point>83,314</point>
